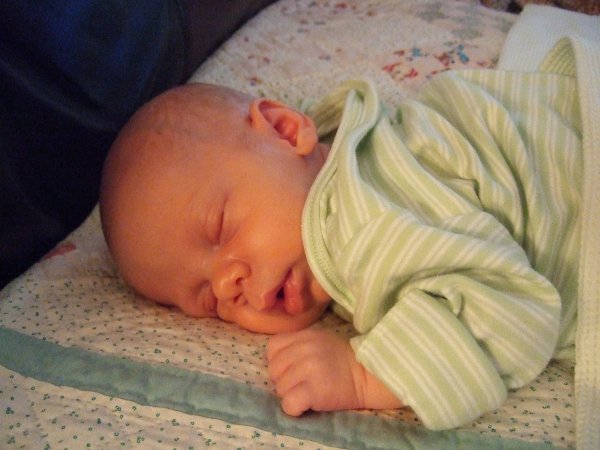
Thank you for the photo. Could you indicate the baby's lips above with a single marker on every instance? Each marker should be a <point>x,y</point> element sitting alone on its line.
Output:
<point>268,300</point>
<point>287,296</point>
<point>292,299</point>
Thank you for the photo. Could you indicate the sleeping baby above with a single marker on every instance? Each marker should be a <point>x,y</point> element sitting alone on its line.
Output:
<point>448,233</point>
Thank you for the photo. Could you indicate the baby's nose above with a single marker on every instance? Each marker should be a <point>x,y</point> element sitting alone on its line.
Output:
<point>228,279</point>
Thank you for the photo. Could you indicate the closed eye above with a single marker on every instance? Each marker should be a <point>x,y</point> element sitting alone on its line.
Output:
<point>227,228</point>
<point>218,234</point>
<point>215,225</point>
<point>220,227</point>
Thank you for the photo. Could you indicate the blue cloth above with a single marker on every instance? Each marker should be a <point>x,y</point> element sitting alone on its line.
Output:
<point>71,73</point>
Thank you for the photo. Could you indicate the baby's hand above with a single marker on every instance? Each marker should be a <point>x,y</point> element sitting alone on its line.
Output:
<point>313,369</point>
<point>316,369</point>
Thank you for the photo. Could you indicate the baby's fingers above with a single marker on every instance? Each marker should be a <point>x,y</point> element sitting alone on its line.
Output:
<point>281,342</point>
<point>287,376</point>
<point>279,363</point>
<point>283,351</point>
<point>297,400</point>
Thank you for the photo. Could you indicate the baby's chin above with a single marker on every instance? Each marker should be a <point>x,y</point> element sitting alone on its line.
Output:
<point>274,321</point>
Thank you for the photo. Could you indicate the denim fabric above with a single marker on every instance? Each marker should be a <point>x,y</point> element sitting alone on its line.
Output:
<point>71,73</point>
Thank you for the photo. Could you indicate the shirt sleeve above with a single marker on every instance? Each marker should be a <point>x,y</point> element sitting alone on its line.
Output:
<point>451,310</point>
<point>452,344</point>
<point>450,316</point>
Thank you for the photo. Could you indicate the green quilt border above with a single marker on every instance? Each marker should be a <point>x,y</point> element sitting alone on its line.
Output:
<point>219,398</point>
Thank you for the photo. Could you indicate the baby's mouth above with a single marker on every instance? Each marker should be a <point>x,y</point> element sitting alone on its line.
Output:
<point>290,294</point>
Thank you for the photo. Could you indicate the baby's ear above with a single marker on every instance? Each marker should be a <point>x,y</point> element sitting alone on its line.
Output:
<point>270,116</point>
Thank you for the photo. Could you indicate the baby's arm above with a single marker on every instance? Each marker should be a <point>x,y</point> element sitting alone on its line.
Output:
<point>316,369</point>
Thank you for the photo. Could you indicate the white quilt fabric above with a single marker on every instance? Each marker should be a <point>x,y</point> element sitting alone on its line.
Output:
<point>74,299</point>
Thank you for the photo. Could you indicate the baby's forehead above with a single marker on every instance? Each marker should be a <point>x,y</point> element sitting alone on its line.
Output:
<point>177,135</point>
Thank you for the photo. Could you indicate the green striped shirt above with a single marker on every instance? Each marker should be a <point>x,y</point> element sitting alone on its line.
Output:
<point>449,234</point>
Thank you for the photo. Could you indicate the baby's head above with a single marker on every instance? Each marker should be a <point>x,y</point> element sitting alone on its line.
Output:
<point>201,203</point>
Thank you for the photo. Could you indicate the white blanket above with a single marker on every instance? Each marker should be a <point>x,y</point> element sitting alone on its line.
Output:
<point>536,32</point>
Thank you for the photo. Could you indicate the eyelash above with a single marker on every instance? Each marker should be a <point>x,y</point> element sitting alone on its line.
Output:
<point>218,234</point>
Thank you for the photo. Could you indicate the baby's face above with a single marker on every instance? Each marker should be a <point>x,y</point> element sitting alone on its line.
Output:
<point>216,230</point>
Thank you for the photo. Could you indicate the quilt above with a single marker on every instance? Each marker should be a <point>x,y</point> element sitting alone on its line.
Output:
<point>87,363</point>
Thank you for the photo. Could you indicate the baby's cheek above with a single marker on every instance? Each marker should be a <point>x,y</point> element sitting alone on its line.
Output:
<point>319,294</point>
<point>191,308</point>
<point>199,312</point>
